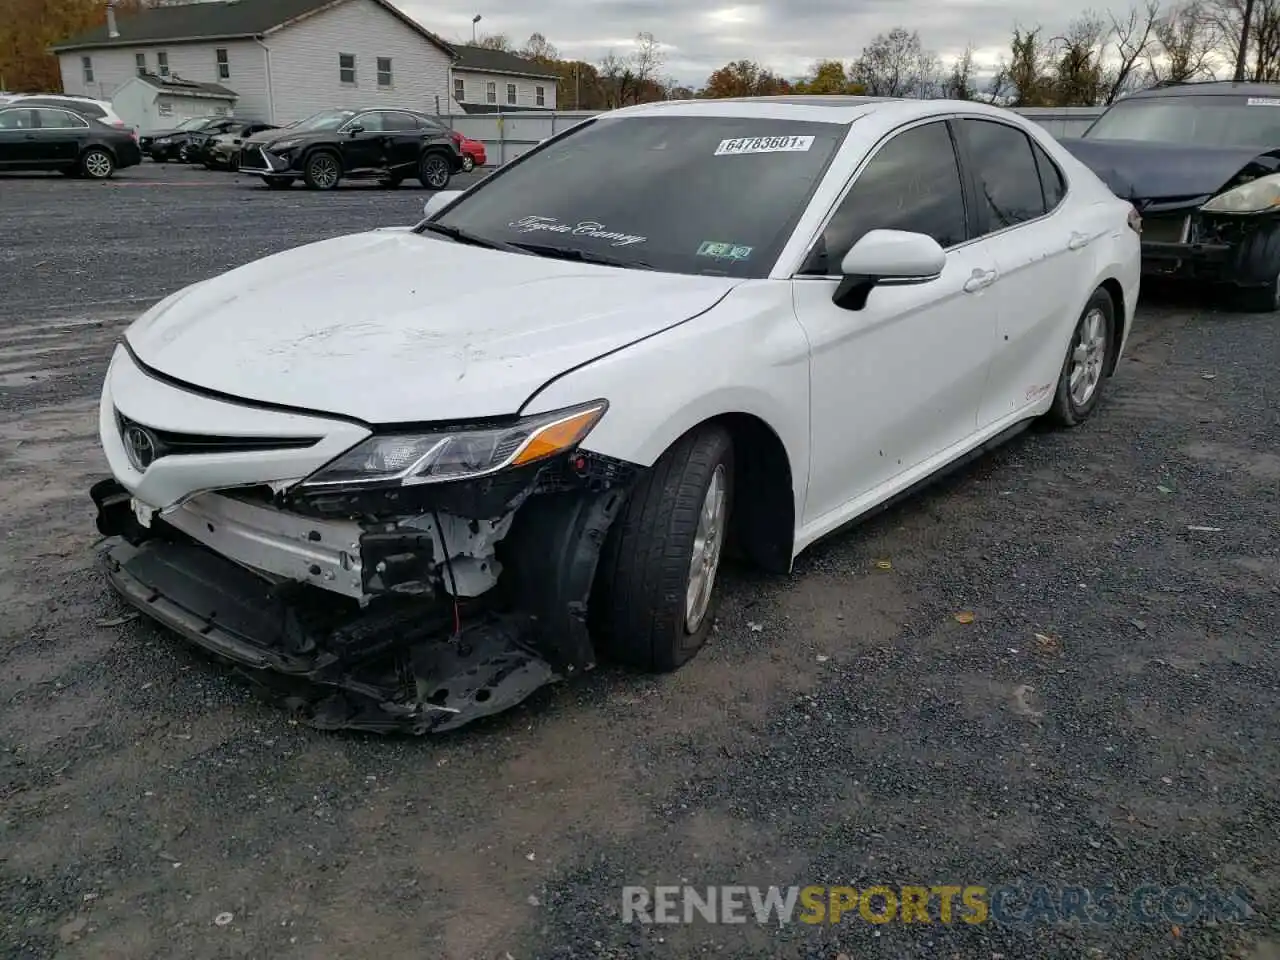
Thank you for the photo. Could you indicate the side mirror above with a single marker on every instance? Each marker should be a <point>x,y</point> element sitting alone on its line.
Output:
<point>887,258</point>
<point>438,201</point>
<point>358,128</point>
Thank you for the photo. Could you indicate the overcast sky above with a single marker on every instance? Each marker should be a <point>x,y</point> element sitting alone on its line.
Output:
<point>784,35</point>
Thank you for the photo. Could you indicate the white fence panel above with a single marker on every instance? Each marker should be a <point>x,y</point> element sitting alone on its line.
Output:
<point>507,135</point>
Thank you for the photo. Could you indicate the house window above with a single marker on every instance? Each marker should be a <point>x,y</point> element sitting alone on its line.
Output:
<point>384,71</point>
<point>224,64</point>
<point>140,60</point>
<point>164,108</point>
<point>162,63</point>
<point>511,93</point>
<point>490,92</point>
<point>86,64</point>
<point>347,68</point>
<point>459,89</point>
<point>541,94</point>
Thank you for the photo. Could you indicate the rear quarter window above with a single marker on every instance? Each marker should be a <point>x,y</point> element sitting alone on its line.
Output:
<point>1051,178</point>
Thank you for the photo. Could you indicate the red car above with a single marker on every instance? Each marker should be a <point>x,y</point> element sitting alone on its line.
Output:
<point>473,154</point>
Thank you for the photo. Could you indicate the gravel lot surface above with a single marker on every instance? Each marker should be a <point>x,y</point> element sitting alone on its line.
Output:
<point>1111,715</point>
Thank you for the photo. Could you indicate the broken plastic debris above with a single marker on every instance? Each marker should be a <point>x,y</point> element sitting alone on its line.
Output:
<point>883,565</point>
<point>823,658</point>
<point>1208,376</point>
<point>530,856</point>
<point>1205,529</point>
<point>117,621</point>
<point>223,919</point>
<point>1163,489</point>
<point>754,627</point>
<point>964,616</point>
<point>1048,642</point>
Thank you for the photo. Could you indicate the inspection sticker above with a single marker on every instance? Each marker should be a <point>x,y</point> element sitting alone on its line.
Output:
<point>724,251</point>
<point>764,145</point>
<point>1264,102</point>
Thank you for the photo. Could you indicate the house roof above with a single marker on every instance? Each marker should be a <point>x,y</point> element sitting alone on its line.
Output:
<point>190,88</point>
<point>484,60</point>
<point>219,20</point>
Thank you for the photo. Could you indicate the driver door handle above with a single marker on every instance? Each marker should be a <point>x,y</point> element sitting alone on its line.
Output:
<point>979,280</point>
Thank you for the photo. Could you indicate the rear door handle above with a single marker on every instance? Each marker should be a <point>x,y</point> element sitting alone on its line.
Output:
<point>980,280</point>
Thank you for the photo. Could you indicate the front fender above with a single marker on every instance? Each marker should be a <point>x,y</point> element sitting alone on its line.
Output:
<point>748,355</point>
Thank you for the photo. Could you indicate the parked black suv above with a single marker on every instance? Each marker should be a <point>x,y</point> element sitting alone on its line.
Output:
<point>387,145</point>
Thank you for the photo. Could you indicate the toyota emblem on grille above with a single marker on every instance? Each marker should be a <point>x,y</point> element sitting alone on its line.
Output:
<point>140,445</point>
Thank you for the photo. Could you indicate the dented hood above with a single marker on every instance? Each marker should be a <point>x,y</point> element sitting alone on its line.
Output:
<point>390,326</point>
<point>1137,170</point>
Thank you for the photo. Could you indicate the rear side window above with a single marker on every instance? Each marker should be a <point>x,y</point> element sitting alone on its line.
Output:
<point>1005,170</point>
<point>1051,179</point>
<point>912,183</point>
<point>58,120</point>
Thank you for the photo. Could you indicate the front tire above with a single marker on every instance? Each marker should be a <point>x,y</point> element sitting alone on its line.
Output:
<point>654,599</point>
<point>434,172</point>
<point>1088,362</point>
<point>323,171</point>
<point>97,164</point>
<point>468,163</point>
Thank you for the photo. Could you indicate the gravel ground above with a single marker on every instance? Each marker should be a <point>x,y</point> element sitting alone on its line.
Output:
<point>1109,717</point>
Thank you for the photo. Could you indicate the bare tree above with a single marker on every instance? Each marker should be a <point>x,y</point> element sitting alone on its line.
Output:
<point>647,60</point>
<point>1186,42</point>
<point>538,48</point>
<point>1134,36</point>
<point>496,41</point>
<point>895,64</point>
<point>959,84</point>
<point>1262,50</point>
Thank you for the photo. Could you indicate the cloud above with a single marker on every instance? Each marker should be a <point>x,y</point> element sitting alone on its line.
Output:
<point>784,35</point>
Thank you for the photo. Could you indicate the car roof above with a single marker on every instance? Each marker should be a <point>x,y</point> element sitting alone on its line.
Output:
<point>819,109</point>
<point>1206,88</point>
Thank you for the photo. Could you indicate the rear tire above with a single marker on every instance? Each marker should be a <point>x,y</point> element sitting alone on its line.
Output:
<point>323,170</point>
<point>434,171</point>
<point>97,164</point>
<point>1088,360</point>
<point>647,607</point>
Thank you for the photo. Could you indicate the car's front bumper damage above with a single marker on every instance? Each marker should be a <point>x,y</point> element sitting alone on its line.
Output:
<point>395,609</point>
<point>1183,243</point>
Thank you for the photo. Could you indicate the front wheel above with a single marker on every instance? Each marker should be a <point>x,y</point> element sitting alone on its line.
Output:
<point>97,164</point>
<point>468,163</point>
<point>1087,364</point>
<point>434,172</point>
<point>323,171</point>
<point>654,598</point>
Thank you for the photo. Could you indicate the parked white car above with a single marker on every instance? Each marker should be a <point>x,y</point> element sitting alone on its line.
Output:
<point>433,468</point>
<point>100,110</point>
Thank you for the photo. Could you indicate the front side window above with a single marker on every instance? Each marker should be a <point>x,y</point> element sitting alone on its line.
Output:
<point>372,122</point>
<point>384,71</point>
<point>58,120</point>
<point>326,120</point>
<point>511,93</point>
<point>1198,120</point>
<point>912,183</point>
<point>140,62</point>
<point>540,96</point>
<point>86,66</point>
<point>162,63</point>
<point>491,92</point>
<point>459,90</point>
<point>224,64</point>
<point>17,119</point>
<point>1005,170</point>
<point>705,195</point>
<point>347,68</point>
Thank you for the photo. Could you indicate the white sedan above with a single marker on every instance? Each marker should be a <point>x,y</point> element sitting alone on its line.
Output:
<point>428,469</point>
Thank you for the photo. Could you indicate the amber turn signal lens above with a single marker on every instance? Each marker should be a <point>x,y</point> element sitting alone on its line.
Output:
<point>558,436</point>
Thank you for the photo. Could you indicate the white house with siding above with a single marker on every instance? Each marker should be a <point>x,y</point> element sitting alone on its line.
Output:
<point>492,81</point>
<point>283,59</point>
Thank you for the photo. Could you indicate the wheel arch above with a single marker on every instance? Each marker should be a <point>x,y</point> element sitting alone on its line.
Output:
<point>1113,288</point>
<point>99,145</point>
<point>328,148</point>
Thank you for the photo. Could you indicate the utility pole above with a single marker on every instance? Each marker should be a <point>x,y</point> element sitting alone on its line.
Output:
<point>476,19</point>
<point>1244,41</point>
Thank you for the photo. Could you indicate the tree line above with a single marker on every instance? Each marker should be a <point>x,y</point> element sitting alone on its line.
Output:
<point>1097,58</point>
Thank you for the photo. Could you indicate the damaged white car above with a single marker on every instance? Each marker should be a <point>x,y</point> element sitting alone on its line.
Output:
<point>416,473</point>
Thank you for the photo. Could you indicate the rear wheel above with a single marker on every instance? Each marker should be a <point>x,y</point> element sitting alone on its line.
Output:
<point>323,171</point>
<point>1088,360</point>
<point>434,172</point>
<point>97,164</point>
<point>654,597</point>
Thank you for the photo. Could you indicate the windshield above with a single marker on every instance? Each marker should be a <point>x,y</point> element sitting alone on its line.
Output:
<point>1198,121</point>
<point>711,195</point>
<point>193,122</point>
<point>326,120</point>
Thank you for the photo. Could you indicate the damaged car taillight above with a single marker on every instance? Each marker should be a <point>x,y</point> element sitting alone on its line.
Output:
<point>464,453</point>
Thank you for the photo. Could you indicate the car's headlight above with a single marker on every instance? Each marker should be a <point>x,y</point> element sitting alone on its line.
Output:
<point>408,459</point>
<point>1256,196</point>
<point>284,145</point>
<point>164,140</point>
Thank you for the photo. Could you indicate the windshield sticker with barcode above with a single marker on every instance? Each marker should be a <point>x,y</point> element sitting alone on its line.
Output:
<point>1264,102</point>
<point>763,145</point>
<point>723,251</point>
<point>593,229</point>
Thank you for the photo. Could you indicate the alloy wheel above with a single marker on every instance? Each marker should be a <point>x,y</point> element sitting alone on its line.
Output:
<point>1088,356</point>
<point>707,543</point>
<point>435,172</point>
<point>97,164</point>
<point>324,171</point>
